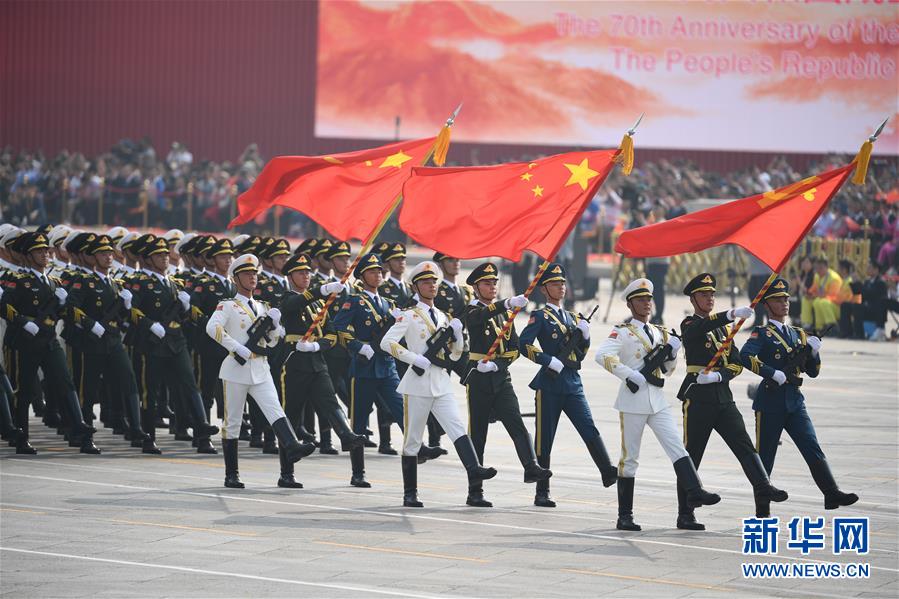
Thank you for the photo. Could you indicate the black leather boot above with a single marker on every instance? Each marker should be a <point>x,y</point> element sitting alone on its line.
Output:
<point>435,431</point>
<point>626,505</point>
<point>426,453</point>
<point>325,447</point>
<point>476,495</point>
<point>469,458</point>
<point>232,476</point>
<point>762,488</point>
<point>348,439</point>
<point>601,458</point>
<point>384,440</point>
<point>268,442</point>
<point>87,445</point>
<point>410,481</point>
<point>135,431</point>
<point>201,425</point>
<point>286,480</point>
<point>73,408</point>
<point>689,478</point>
<point>533,472</point>
<point>686,520</point>
<point>357,461</point>
<point>833,496</point>
<point>288,440</point>
<point>542,497</point>
<point>204,445</point>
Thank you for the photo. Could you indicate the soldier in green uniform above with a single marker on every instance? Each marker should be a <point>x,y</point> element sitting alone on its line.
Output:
<point>489,386</point>
<point>100,306</point>
<point>158,310</point>
<point>31,304</point>
<point>708,403</point>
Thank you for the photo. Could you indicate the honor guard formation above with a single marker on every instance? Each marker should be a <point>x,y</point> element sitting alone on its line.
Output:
<point>152,333</point>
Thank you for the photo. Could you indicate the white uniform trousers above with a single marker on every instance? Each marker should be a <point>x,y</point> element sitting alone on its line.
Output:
<point>632,425</point>
<point>415,411</point>
<point>265,395</point>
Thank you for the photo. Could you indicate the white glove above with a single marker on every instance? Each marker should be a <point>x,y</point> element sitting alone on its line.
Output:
<point>61,294</point>
<point>741,312</point>
<point>637,378</point>
<point>126,298</point>
<point>278,332</point>
<point>275,315</point>
<point>366,351</point>
<point>31,328</point>
<point>185,299</point>
<point>422,362</point>
<point>98,329</point>
<point>395,312</point>
<point>519,301</point>
<point>487,366</point>
<point>584,326</point>
<point>675,344</point>
<point>308,346</point>
<point>243,352</point>
<point>456,325</point>
<point>333,287</point>
<point>814,343</point>
<point>779,377</point>
<point>157,329</point>
<point>708,378</point>
<point>556,365</point>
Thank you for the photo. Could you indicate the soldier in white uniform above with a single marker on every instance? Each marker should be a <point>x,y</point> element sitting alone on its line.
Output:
<point>229,325</point>
<point>622,353</point>
<point>432,391</point>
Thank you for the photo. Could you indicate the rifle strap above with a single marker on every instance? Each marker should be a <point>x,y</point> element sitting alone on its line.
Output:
<point>432,328</point>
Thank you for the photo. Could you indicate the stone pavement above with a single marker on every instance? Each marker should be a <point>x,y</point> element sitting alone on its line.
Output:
<point>127,525</point>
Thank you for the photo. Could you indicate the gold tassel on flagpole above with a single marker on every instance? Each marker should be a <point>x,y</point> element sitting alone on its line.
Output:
<point>625,155</point>
<point>862,159</point>
<point>441,146</point>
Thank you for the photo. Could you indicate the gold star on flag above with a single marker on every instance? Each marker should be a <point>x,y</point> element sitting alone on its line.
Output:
<point>526,177</point>
<point>396,160</point>
<point>532,164</point>
<point>368,163</point>
<point>333,160</point>
<point>538,192</point>
<point>580,174</point>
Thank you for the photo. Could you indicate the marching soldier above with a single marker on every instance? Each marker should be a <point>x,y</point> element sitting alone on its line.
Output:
<point>31,304</point>
<point>100,306</point>
<point>394,287</point>
<point>708,403</point>
<point>431,391</point>
<point>245,371</point>
<point>158,310</point>
<point>206,293</point>
<point>489,386</point>
<point>372,373</point>
<point>173,237</point>
<point>304,375</point>
<point>452,299</point>
<point>781,354</point>
<point>623,353</point>
<point>558,386</point>
<point>319,253</point>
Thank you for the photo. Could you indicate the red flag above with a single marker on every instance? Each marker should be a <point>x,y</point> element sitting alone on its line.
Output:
<point>473,212</point>
<point>768,225</point>
<point>347,194</point>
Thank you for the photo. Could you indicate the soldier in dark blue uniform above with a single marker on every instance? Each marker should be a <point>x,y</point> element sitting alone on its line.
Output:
<point>708,403</point>
<point>781,354</point>
<point>360,323</point>
<point>559,387</point>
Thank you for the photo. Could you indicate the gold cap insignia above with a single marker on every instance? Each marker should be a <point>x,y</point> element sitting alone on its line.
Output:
<point>556,270</point>
<point>706,279</point>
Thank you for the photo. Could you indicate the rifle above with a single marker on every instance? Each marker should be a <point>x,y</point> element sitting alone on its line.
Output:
<point>47,311</point>
<point>173,312</point>
<point>439,341</point>
<point>261,327</point>
<point>384,326</point>
<point>573,343</point>
<point>799,358</point>
<point>653,360</point>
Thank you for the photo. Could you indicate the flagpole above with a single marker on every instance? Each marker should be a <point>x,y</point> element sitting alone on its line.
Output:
<point>438,153</point>
<point>861,169</point>
<point>625,157</point>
